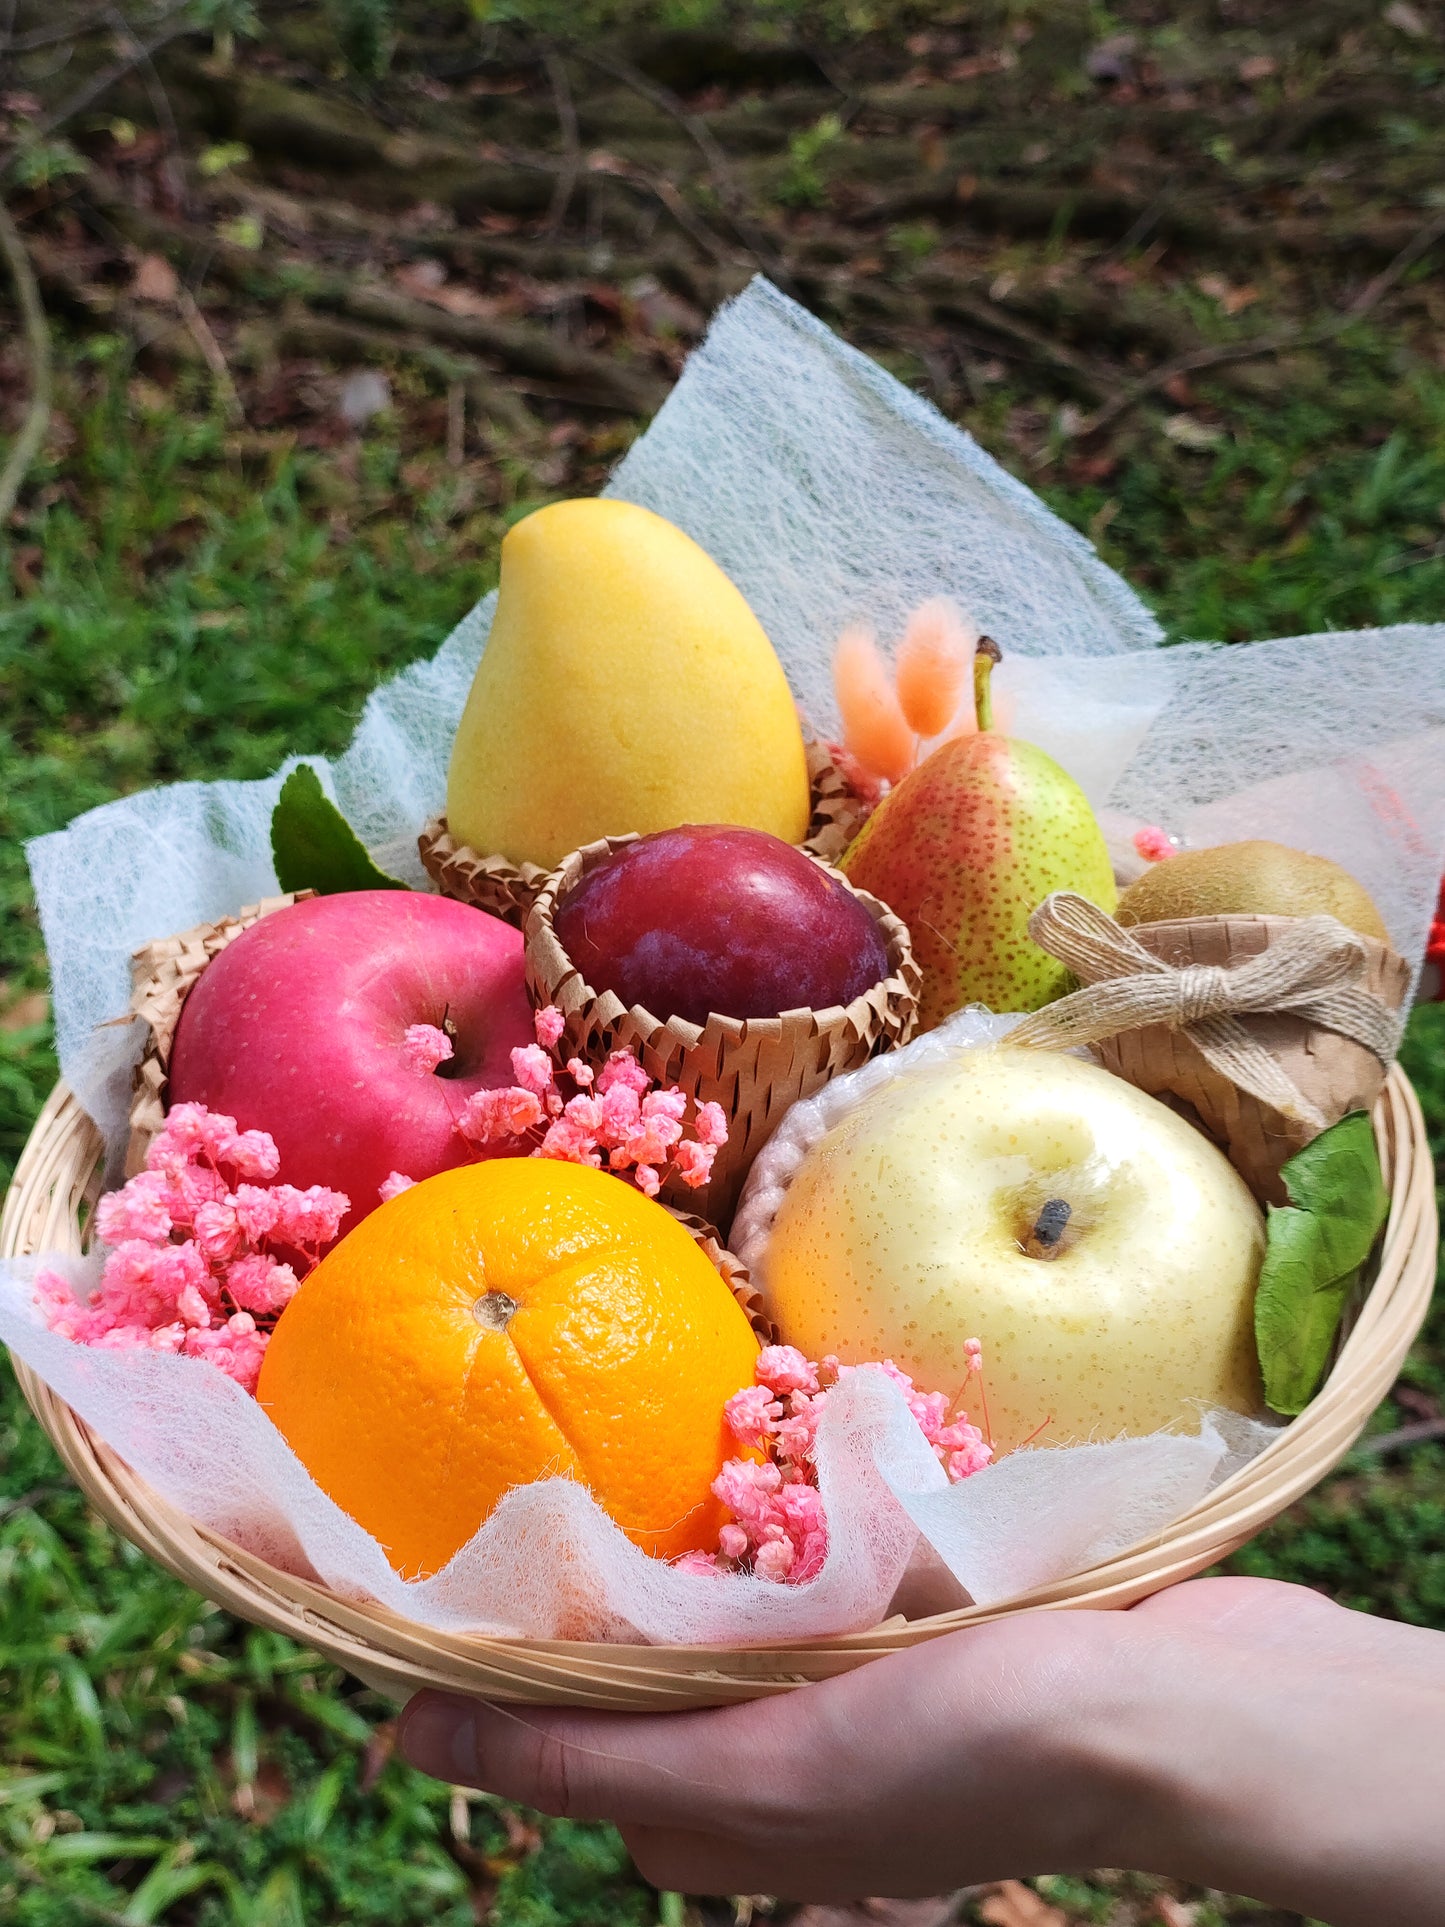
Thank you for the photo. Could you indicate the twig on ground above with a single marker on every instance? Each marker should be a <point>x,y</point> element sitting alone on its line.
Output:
<point>1280,342</point>
<point>571,140</point>
<point>1422,1432</point>
<point>27,443</point>
<point>215,359</point>
<point>758,244</point>
<point>100,84</point>
<point>23,1501</point>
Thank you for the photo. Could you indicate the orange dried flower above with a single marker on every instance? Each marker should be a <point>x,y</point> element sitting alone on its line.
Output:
<point>935,668</point>
<point>875,729</point>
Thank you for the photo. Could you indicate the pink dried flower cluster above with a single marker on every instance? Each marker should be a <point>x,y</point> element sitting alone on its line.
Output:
<point>206,1248</point>
<point>613,1119</point>
<point>778,1528</point>
<point>1154,844</point>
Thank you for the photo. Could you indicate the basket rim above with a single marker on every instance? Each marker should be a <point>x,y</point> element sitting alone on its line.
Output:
<point>399,1655</point>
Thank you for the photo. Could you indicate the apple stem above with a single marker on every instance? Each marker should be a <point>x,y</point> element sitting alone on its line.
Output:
<point>985,656</point>
<point>1046,1238</point>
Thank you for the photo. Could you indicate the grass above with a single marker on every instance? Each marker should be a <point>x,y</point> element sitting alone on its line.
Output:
<point>187,603</point>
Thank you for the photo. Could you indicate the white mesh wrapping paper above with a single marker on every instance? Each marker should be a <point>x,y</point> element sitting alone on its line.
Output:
<point>828,492</point>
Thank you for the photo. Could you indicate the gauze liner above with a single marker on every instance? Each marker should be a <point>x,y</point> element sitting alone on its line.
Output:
<point>830,493</point>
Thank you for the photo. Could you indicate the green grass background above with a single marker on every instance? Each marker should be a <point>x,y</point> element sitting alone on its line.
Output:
<point>191,607</point>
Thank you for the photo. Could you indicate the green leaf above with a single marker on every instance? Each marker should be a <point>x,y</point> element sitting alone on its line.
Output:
<point>1316,1245</point>
<point>313,845</point>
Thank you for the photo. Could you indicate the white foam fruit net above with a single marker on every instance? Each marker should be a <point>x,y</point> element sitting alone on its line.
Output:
<point>829,493</point>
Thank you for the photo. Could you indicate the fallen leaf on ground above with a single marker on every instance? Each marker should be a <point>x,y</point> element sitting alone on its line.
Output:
<point>1170,1912</point>
<point>1012,1904</point>
<point>155,280</point>
<point>1408,19</point>
<point>878,1913</point>
<point>376,1753</point>
<point>1187,432</point>
<point>1230,297</point>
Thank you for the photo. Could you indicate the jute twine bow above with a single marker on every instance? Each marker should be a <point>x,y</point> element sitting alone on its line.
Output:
<point>1313,970</point>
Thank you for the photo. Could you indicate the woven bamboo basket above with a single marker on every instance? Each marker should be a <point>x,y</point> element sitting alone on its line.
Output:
<point>58,1179</point>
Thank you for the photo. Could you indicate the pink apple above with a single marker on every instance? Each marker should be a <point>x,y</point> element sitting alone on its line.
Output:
<point>297,1028</point>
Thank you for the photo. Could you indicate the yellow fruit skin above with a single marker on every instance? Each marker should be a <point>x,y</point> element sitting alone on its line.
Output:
<point>899,1237</point>
<point>626,686</point>
<point>613,1368</point>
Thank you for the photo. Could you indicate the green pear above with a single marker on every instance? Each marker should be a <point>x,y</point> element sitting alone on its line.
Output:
<point>626,685</point>
<point>966,848</point>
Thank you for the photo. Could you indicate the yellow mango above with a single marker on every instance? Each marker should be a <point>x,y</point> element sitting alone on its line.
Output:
<point>626,686</point>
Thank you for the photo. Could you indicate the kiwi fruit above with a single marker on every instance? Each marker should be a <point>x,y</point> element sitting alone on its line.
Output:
<point>1257,878</point>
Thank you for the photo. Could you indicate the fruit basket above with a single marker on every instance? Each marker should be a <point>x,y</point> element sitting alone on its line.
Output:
<point>58,1179</point>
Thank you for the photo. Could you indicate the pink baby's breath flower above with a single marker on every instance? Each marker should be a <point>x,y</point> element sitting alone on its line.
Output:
<point>703,1563</point>
<point>752,1414</point>
<point>424,1047</point>
<point>584,1114</point>
<point>774,1560</point>
<point>779,1529</point>
<point>747,1488</point>
<point>140,1209</point>
<point>623,1068</point>
<point>568,1141</point>
<point>235,1348</point>
<point>710,1126</point>
<point>621,1114</point>
<point>783,1368</point>
<point>548,1023</point>
<point>201,1294</point>
<point>670,1103</point>
<point>260,1284</point>
<point>192,1306</point>
<point>191,1187</point>
<point>693,1163</point>
<point>1154,844</point>
<point>532,1068</point>
<point>652,1141</point>
<point>971,1458</point>
<point>491,1117</point>
<point>217,1229</point>
<point>256,1210</point>
<point>58,1304</point>
<point>581,1073</point>
<point>308,1219</point>
<point>252,1155</point>
<point>393,1185</point>
<point>647,1180</point>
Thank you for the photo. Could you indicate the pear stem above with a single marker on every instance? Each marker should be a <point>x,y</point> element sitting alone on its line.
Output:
<point>984,657</point>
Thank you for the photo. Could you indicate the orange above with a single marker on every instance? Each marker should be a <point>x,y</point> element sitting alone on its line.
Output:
<point>514,1320</point>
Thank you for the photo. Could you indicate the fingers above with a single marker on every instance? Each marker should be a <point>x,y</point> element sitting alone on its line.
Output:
<point>667,1770</point>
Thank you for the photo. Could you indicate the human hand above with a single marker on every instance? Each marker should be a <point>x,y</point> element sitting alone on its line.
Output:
<point>1241,1733</point>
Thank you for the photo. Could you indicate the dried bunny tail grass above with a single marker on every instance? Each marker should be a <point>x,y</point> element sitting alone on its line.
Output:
<point>935,667</point>
<point>875,729</point>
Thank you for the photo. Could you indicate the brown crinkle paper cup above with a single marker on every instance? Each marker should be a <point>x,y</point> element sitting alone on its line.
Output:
<point>753,1067</point>
<point>1336,1073</point>
<point>163,973</point>
<point>508,890</point>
